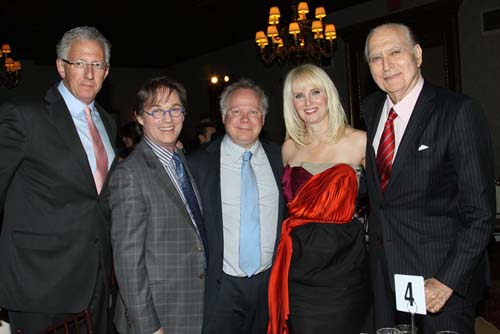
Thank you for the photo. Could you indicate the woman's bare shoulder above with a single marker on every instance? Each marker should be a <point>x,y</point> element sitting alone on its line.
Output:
<point>288,150</point>
<point>350,131</point>
<point>356,140</point>
<point>356,136</point>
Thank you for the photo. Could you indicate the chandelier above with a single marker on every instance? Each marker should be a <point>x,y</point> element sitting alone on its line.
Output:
<point>10,69</point>
<point>302,40</point>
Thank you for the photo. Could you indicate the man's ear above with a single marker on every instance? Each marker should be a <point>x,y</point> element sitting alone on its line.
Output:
<point>60,68</point>
<point>140,119</point>
<point>418,54</point>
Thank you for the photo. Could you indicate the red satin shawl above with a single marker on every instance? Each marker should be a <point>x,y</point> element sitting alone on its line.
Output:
<point>327,197</point>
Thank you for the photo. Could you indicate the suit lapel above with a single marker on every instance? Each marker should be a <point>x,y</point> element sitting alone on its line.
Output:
<point>61,118</point>
<point>371,126</point>
<point>209,180</point>
<point>213,182</point>
<point>416,125</point>
<point>161,175</point>
<point>276,163</point>
<point>107,123</point>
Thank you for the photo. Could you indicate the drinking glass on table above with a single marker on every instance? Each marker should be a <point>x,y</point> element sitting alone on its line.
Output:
<point>406,329</point>
<point>388,330</point>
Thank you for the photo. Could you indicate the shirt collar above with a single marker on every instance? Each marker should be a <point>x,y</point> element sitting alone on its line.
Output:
<point>405,107</point>
<point>161,152</point>
<point>235,151</point>
<point>75,106</point>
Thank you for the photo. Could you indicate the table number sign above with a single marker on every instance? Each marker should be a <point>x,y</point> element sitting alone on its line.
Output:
<point>410,294</point>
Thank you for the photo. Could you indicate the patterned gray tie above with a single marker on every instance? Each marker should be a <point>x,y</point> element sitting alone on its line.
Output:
<point>192,201</point>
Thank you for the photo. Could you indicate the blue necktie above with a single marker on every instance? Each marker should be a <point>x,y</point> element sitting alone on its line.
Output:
<point>192,201</point>
<point>249,219</point>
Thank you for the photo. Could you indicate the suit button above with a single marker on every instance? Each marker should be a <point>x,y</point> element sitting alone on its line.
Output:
<point>202,276</point>
<point>200,249</point>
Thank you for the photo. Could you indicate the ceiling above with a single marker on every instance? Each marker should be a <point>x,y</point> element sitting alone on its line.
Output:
<point>143,33</point>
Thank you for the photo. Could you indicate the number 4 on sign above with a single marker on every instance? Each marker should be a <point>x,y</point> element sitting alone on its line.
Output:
<point>410,294</point>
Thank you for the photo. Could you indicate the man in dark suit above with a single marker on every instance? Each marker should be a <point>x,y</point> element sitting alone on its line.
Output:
<point>157,233</point>
<point>235,300</point>
<point>432,201</point>
<point>56,153</point>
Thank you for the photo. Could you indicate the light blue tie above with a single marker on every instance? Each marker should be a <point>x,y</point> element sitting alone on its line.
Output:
<point>249,219</point>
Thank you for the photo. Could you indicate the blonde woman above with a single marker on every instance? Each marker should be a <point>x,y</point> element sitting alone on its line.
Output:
<point>319,282</point>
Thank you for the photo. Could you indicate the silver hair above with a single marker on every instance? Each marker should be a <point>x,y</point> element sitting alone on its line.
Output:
<point>409,35</point>
<point>85,32</point>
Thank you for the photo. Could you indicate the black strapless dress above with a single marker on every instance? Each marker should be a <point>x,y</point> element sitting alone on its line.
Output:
<point>329,290</point>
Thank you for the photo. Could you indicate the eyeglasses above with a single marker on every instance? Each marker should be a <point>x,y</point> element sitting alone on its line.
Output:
<point>159,113</point>
<point>80,64</point>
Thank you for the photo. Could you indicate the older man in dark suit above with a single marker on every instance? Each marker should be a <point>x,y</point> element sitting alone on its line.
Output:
<point>430,181</point>
<point>55,155</point>
<point>157,230</point>
<point>236,296</point>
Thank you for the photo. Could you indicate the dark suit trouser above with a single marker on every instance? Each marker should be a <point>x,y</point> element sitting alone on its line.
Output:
<point>457,315</point>
<point>241,306</point>
<point>32,323</point>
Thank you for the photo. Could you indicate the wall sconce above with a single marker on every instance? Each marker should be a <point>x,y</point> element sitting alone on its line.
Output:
<point>214,79</point>
<point>216,84</point>
<point>10,69</point>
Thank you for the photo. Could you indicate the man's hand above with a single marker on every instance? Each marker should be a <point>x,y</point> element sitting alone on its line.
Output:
<point>436,294</point>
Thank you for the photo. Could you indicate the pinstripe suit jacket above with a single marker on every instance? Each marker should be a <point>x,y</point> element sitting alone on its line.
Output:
<point>158,256</point>
<point>437,214</point>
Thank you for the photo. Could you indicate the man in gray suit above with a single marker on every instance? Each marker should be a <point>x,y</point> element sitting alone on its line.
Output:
<point>157,231</point>
<point>432,197</point>
<point>236,300</point>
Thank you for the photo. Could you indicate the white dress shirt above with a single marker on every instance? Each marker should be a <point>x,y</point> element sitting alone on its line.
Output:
<point>230,171</point>
<point>77,110</point>
<point>403,109</point>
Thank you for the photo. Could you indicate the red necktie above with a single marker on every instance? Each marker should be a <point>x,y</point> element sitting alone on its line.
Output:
<point>101,157</point>
<point>385,152</point>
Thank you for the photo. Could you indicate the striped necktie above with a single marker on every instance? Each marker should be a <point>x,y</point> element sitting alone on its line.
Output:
<point>385,152</point>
